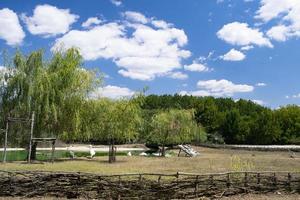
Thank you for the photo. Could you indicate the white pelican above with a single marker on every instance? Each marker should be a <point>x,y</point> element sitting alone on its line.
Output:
<point>71,153</point>
<point>92,151</point>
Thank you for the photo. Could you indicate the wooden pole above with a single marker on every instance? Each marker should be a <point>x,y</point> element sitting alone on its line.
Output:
<point>53,149</point>
<point>5,142</point>
<point>31,136</point>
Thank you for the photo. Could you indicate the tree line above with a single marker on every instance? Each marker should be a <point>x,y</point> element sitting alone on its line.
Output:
<point>235,122</point>
<point>58,90</point>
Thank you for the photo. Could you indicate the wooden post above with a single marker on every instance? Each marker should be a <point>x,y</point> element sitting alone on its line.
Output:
<point>5,142</point>
<point>246,180</point>
<point>31,136</point>
<point>275,180</point>
<point>228,180</point>
<point>289,181</point>
<point>211,180</point>
<point>53,149</point>
<point>258,178</point>
<point>196,186</point>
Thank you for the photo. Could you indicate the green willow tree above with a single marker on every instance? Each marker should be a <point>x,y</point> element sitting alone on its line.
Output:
<point>112,121</point>
<point>54,90</point>
<point>173,127</point>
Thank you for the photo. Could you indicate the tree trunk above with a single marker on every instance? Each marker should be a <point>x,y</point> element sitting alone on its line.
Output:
<point>112,152</point>
<point>163,151</point>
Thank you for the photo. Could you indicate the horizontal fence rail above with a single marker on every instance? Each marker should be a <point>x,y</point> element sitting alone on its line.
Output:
<point>144,185</point>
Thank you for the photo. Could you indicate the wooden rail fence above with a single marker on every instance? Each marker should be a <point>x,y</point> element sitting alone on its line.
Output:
<point>144,186</point>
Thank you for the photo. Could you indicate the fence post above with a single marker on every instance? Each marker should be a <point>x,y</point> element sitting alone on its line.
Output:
<point>196,186</point>
<point>5,142</point>
<point>31,136</point>
<point>274,180</point>
<point>158,180</point>
<point>211,180</point>
<point>246,179</point>
<point>258,178</point>
<point>228,181</point>
<point>289,181</point>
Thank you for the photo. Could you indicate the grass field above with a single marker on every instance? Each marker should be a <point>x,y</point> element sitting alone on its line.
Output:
<point>46,155</point>
<point>209,160</point>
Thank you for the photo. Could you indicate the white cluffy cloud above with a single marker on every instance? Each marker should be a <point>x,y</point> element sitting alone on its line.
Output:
<point>261,84</point>
<point>10,28</point>
<point>91,21</point>
<point>259,102</point>
<point>218,88</point>
<point>241,34</point>
<point>116,2</point>
<point>49,20</point>
<point>112,92</point>
<point>140,50</point>
<point>135,17</point>
<point>288,13</point>
<point>178,75</point>
<point>196,67</point>
<point>295,96</point>
<point>234,55</point>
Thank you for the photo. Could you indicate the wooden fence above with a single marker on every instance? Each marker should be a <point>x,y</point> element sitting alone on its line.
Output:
<point>144,186</point>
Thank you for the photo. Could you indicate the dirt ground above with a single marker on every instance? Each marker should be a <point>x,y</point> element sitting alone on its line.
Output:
<point>210,160</point>
<point>235,197</point>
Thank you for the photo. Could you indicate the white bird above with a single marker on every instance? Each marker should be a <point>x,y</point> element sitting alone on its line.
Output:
<point>157,154</point>
<point>92,151</point>
<point>129,154</point>
<point>143,154</point>
<point>71,153</point>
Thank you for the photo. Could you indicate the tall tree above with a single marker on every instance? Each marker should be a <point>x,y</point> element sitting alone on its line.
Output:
<point>54,90</point>
<point>173,127</point>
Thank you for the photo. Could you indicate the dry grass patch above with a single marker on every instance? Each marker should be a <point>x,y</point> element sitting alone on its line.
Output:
<point>209,160</point>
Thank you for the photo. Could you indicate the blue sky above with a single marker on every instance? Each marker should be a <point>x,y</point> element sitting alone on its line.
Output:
<point>225,48</point>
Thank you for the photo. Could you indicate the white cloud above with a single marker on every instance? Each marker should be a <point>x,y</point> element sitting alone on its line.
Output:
<point>234,55</point>
<point>135,17</point>
<point>112,92</point>
<point>279,33</point>
<point>161,24</point>
<point>49,20</point>
<point>288,14</point>
<point>91,21</point>
<point>247,48</point>
<point>271,9</point>
<point>11,30</point>
<point>261,84</point>
<point>259,102</point>
<point>116,2</point>
<point>241,34</point>
<point>140,51</point>
<point>196,67</point>
<point>178,75</point>
<point>218,88</point>
<point>294,96</point>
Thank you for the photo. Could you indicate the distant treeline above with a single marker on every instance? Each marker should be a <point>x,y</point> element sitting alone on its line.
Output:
<point>235,122</point>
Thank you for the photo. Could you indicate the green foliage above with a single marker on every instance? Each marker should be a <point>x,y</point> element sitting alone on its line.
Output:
<point>105,120</point>
<point>174,127</point>
<point>54,90</point>
<point>240,122</point>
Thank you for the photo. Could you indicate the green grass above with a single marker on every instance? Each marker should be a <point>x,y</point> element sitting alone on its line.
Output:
<point>46,155</point>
